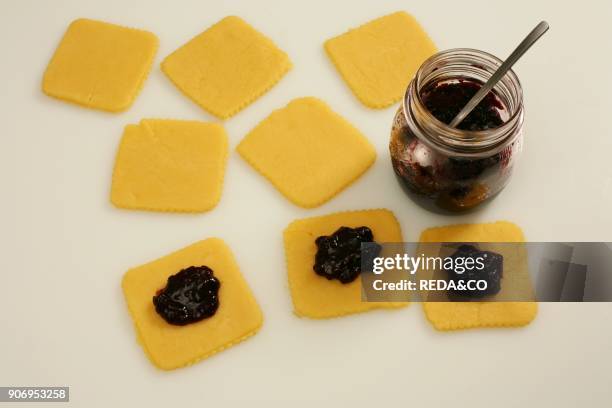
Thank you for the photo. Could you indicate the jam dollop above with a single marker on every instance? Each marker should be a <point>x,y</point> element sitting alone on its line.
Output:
<point>339,255</point>
<point>446,99</point>
<point>190,295</point>
<point>492,271</point>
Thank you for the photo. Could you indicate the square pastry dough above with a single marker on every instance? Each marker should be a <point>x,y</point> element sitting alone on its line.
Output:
<point>226,67</point>
<point>307,151</point>
<point>378,59</point>
<point>315,296</point>
<point>169,346</point>
<point>170,165</point>
<point>100,65</point>
<point>464,315</point>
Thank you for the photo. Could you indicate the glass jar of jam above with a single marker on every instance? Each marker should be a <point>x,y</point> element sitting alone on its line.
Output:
<point>457,169</point>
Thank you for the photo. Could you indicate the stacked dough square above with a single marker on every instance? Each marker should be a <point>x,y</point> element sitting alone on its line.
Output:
<point>170,165</point>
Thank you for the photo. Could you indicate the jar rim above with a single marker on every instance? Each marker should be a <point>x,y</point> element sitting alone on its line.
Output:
<point>458,138</point>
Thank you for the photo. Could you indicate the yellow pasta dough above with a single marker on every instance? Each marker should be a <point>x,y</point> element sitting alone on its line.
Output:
<point>170,346</point>
<point>226,67</point>
<point>100,65</point>
<point>315,296</point>
<point>464,315</point>
<point>170,165</point>
<point>308,152</point>
<point>378,59</point>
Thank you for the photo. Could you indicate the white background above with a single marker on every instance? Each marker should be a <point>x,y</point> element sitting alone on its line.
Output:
<point>64,247</point>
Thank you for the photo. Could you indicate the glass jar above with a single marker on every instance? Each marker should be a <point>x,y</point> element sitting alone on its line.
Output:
<point>448,169</point>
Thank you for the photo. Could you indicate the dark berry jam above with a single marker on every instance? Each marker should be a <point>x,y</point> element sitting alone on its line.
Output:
<point>339,255</point>
<point>491,271</point>
<point>440,179</point>
<point>189,296</point>
<point>457,170</point>
<point>463,197</point>
<point>446,99</point>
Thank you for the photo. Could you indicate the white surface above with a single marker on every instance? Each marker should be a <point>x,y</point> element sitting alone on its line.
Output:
<point>65,248</point>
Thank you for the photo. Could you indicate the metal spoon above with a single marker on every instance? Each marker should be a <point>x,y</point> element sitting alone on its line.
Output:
<point>533,36</point>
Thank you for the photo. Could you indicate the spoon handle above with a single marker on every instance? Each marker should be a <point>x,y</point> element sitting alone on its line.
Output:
<point>533,36</point>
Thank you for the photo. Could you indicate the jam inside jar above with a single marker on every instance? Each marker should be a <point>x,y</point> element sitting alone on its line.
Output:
<point>457,169</point>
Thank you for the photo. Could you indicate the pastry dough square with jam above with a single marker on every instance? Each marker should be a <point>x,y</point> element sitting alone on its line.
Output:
<point>170,165</point>
<point>465,315</point>
<point>378,59</point>
<point>169,346</point>
<point>315,296</point>
<point>226,67</point>
<point>307,151</point>
<point>100,65</point>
